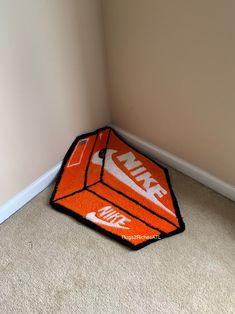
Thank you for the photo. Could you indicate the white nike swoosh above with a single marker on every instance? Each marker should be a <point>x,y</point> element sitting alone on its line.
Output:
<point>112,168</point>
<point>92,217</point>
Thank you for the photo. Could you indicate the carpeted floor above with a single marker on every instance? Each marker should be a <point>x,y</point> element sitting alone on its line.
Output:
<point>49,263</point>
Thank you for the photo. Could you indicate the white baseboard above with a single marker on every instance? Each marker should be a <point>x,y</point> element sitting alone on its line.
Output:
<point>20,199</point>
<point>183,166</point>
<point>23,197</point>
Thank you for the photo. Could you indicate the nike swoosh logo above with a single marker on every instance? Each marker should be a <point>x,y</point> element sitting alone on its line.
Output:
<point>92,217</point>
<point>112,168</point>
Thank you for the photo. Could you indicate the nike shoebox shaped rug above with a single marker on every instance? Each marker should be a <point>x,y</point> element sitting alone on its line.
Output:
<point>113,188</point>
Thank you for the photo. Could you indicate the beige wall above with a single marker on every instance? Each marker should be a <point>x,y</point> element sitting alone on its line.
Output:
<point>172,76</point>
<point>52,84</point>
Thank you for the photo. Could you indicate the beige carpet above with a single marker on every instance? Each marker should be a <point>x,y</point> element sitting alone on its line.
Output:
<point>49,263</point>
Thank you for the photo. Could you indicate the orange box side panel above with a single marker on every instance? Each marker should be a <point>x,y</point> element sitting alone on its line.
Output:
<point>151,219</point>
<point>109,217</point>
<point>73,176</point>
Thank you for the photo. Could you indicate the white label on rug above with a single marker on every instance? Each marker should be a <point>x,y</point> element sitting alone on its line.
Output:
<point>109,217</point>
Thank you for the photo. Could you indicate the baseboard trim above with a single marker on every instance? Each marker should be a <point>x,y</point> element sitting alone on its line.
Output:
<point>183,166</point>
<point>23,197</point>
<point>216,184</point>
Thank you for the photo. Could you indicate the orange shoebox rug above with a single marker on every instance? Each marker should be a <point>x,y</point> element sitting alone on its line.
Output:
<point>110,186</point>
